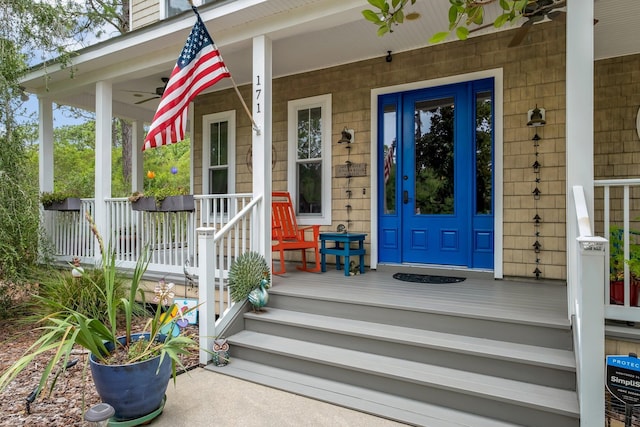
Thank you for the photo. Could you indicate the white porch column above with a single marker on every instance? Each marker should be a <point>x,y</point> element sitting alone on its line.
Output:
<point>581,287</point>
<point>102,184</point>
<point>579,126</point>
<point>45,136</point>
<point>262,143</point>
<point>206,290</point>
<point>137,167</point>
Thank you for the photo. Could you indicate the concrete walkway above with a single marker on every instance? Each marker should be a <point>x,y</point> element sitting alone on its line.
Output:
<point>203,398</point>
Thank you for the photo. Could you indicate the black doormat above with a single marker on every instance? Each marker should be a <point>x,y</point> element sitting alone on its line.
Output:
<point>426,278</point>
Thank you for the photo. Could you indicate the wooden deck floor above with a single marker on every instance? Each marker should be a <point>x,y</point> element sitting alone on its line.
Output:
<point>478,296</point>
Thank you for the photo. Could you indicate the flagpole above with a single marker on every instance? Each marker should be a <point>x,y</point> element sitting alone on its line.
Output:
<point>233,82</point>
<point>255,126</point>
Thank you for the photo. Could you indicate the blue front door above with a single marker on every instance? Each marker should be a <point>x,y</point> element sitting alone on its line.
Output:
<point>436,154</point>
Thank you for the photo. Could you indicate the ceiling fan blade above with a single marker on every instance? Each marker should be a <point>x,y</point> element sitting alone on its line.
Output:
<point>146,100</point>
<point>137,91</point>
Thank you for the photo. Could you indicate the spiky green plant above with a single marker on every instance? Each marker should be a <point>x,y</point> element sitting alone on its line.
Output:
<point>245,274</point>
<point>68,328</point>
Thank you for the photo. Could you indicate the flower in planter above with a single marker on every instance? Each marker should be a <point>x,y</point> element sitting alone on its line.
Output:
<point>163,292</point>
<point>159,194</point>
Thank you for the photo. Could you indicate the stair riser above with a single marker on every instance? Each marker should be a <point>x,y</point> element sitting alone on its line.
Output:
<point>441,322</point>
<point>386,346</point>
<point>477,404</point>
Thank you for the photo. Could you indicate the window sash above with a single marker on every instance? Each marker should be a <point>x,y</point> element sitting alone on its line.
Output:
<point>309,166</point>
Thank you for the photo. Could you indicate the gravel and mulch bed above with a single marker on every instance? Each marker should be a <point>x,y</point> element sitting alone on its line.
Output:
<point>74,391</point>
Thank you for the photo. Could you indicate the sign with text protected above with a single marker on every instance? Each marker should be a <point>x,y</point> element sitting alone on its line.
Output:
<point>623,378</point>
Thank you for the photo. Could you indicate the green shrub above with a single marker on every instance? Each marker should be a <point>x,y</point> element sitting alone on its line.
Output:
<point>85,294</point>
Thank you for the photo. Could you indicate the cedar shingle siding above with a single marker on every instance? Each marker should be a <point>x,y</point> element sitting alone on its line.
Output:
<point>534,73</point>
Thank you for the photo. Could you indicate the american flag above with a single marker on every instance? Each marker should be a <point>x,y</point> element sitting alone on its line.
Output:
<point>199,66</point>
<point>388,162</point>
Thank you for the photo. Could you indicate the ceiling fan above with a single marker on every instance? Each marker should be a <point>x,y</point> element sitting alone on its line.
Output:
<point>536,11</point>
<point>157,94</point>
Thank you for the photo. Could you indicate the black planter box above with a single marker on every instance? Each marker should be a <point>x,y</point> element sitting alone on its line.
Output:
<point>170,204</point>
<point>69,204</point>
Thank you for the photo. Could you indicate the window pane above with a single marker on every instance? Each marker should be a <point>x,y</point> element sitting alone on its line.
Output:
<point>219,144</point>
<point>310,133</point>
<point>175,7</point>
<point>223,143</point>
<point>310,188</point>
<point>218,183</point>
<point>389,159</point>
<point>434,186</point>
<point>484,163</point>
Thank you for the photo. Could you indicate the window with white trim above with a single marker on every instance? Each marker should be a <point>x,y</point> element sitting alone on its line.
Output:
<point>175,7</point>
<point>218,154</point>
<point>309,160</point>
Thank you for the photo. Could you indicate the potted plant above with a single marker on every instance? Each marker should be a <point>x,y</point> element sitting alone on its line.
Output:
<point>617,262</point>
<point>131,372</point>
<point>163,200</point>
<point>60,201</point>
<point>249,279</point>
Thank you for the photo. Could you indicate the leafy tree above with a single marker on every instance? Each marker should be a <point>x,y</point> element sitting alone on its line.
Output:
<point>462,14</point>
<point>37,31</point>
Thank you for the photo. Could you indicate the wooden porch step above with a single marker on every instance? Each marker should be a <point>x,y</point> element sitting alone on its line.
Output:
<point>486,396</point>
<point>446,316</point>
<point>361,399</point>
<point>538,365</point>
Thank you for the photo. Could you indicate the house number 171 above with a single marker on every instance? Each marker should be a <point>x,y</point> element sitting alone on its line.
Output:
<point>258,94</point>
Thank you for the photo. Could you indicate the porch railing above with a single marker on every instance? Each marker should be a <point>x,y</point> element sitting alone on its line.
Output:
<point>69,233</point>
<point>617,216</point>
<point>171,236</point>
<point>217,251</point>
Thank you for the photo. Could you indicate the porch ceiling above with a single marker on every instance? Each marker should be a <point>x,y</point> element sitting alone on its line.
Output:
<point>307,35</point>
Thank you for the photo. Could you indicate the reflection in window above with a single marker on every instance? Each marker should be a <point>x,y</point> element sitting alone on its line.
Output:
<point>484,163</point>
<point>390,133</point>
<point>309,161</point>
<point>434,156</point>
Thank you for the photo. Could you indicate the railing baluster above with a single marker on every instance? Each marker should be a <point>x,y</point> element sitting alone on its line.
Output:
<point>616,196</point>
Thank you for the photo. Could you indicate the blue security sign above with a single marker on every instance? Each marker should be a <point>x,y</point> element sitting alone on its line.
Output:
<point>623,378</point>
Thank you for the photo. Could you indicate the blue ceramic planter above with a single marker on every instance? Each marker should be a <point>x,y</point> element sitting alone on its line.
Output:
<point>134,390</point>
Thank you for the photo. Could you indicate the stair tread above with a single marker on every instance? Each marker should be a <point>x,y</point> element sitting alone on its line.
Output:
<point>523,353</point>
<point>337,292</point>
<point>365,400</point>
<point>515,392</point>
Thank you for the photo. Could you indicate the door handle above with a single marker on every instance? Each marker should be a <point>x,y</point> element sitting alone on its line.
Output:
<point>405,197</point>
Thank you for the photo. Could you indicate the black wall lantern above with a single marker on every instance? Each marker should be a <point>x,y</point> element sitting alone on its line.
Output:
<point>346,136</point>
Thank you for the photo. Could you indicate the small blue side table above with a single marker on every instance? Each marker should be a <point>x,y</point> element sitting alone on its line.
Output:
<point>345,250</point>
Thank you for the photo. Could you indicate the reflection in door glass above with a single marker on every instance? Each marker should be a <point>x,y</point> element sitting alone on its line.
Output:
<point>434,140</point>
<point>389,163</point>
<point>484,163</point>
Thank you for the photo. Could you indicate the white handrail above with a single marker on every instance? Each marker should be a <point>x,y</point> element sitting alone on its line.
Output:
<point>236,219</point>
<point>216,252</point>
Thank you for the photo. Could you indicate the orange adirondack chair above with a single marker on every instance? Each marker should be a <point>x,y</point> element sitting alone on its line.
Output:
<point>286,234</point>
